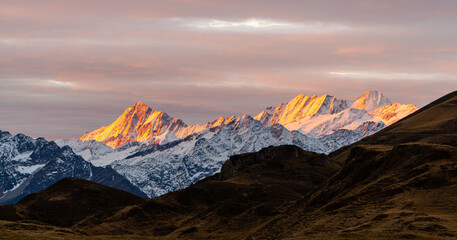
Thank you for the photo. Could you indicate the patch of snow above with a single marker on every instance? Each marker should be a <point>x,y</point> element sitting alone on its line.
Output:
<point>22,157</point>
<point>29,169</point>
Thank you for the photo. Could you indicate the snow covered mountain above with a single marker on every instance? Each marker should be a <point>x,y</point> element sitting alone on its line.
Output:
<point>391,113</point>
<point>158,169</point>
<point>160,154</point>
<point>30,165</point>
<point>138,123</point>
<point>371,100</point>
<point>301,107</point>
<point>319,116</point>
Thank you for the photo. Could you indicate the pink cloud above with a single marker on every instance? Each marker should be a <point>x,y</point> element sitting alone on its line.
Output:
<point>361,51</point>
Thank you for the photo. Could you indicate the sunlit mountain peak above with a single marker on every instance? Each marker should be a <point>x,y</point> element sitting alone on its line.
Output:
<point>371,100</point>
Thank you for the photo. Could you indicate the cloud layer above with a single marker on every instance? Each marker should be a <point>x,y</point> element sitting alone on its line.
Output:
<point>67,67</point>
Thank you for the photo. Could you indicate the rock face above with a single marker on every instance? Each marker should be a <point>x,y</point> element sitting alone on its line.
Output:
<point>160,154</point>
<point>30,165</point>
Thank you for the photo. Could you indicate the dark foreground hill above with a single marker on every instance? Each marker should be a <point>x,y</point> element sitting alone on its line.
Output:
<point>400,183</point>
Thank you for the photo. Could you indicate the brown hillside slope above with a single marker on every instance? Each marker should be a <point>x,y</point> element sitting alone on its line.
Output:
<point>68,202</point>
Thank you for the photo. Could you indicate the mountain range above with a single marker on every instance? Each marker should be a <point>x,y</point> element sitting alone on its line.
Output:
<point>399,183</point>
<point>149,153</point>
<point>318,115</point>
<point>30,165</point>
<point>161,154</point>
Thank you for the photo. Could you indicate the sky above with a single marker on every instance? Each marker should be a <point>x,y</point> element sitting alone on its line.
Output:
<point>67,67</point>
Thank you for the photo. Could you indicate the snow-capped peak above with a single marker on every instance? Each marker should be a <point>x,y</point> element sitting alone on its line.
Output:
<point>318,116</point>
<point>371,100</point>
<point>138,123</point>
<point>220,121</point>
<point>139,105</point>
<point>301,107</point>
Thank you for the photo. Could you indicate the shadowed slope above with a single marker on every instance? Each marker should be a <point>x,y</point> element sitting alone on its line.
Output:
<point>69,201</point>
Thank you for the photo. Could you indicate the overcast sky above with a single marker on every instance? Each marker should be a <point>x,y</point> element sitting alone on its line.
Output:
<point>67,67</point>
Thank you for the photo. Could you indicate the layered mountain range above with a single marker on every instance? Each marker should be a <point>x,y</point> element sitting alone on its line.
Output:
<point>399,183</point>
<point>160,154</point>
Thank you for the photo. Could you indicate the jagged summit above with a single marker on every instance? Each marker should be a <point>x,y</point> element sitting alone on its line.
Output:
<point>139,122</point>
<point>301,107</point>
<point>371,100</point>
<point>138,108</point>
<point>326,114</point>
<point>220,121</point>
<point>139,105</point>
